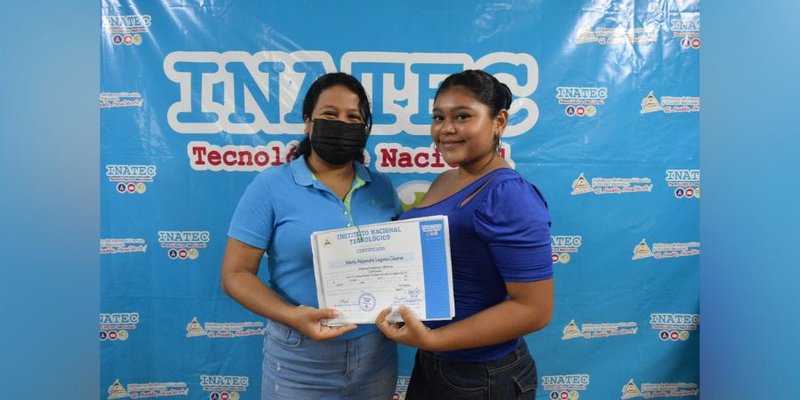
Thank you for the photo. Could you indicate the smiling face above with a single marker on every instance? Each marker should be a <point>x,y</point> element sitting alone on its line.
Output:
<point>463,128</point>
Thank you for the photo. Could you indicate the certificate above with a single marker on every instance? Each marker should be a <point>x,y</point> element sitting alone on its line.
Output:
<point>362,270</point>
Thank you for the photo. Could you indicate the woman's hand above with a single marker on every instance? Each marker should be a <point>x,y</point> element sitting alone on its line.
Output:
<point>309,320</point>
<point>240,281</point>
<point>411,331</point>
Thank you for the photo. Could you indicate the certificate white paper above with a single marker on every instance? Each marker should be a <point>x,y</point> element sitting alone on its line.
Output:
<point>362,270</point>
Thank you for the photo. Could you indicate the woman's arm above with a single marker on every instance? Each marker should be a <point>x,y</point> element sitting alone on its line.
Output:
<point>528,309</point>
<point>240,281</point>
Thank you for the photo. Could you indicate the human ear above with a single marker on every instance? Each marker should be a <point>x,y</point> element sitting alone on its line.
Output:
<point>500,123</point>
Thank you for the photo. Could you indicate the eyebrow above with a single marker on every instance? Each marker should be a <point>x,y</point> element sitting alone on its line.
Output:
<point>459,108</point>
<point>331,106</point>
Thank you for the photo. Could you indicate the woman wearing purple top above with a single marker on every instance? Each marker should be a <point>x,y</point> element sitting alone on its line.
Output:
<point>500,251</point>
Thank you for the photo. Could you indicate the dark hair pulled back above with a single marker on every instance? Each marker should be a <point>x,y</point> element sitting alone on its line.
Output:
<point>485,87</point>
<point>320,85</point>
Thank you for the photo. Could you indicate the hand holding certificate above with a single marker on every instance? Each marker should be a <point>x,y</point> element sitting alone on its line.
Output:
<point>360,271</point>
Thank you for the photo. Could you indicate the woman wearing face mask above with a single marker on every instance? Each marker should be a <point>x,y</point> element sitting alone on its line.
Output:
<point>325,187</point>
<point>500,252</point>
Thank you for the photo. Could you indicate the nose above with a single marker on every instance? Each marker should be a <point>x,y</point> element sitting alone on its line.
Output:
<point>446,127</point>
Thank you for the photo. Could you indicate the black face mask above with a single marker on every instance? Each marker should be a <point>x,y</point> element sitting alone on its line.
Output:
<point>338,142</point>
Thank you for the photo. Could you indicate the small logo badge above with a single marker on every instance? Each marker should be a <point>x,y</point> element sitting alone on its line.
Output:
<point>571,331</point>
<point>650,104</point>
<point>642,250</point>
<point>581,185</point>
<point>630,390</point>
<point>116,391</point>
<point>194,329</point>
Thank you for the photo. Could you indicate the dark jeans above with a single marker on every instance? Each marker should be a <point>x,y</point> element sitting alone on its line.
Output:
<point>511,377</point>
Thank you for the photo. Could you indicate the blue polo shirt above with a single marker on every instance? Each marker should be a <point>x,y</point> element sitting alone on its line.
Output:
<point>282,207</point>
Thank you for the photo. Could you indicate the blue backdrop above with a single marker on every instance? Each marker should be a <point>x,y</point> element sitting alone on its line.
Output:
<point>196,98</point>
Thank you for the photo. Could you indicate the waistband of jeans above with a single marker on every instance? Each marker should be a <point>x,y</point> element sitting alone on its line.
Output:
<point>284,329</point>
<point>520,351</point>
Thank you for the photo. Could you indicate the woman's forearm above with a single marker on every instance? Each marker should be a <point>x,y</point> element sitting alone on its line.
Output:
<point>247,289</point>
<point>500,323</point>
